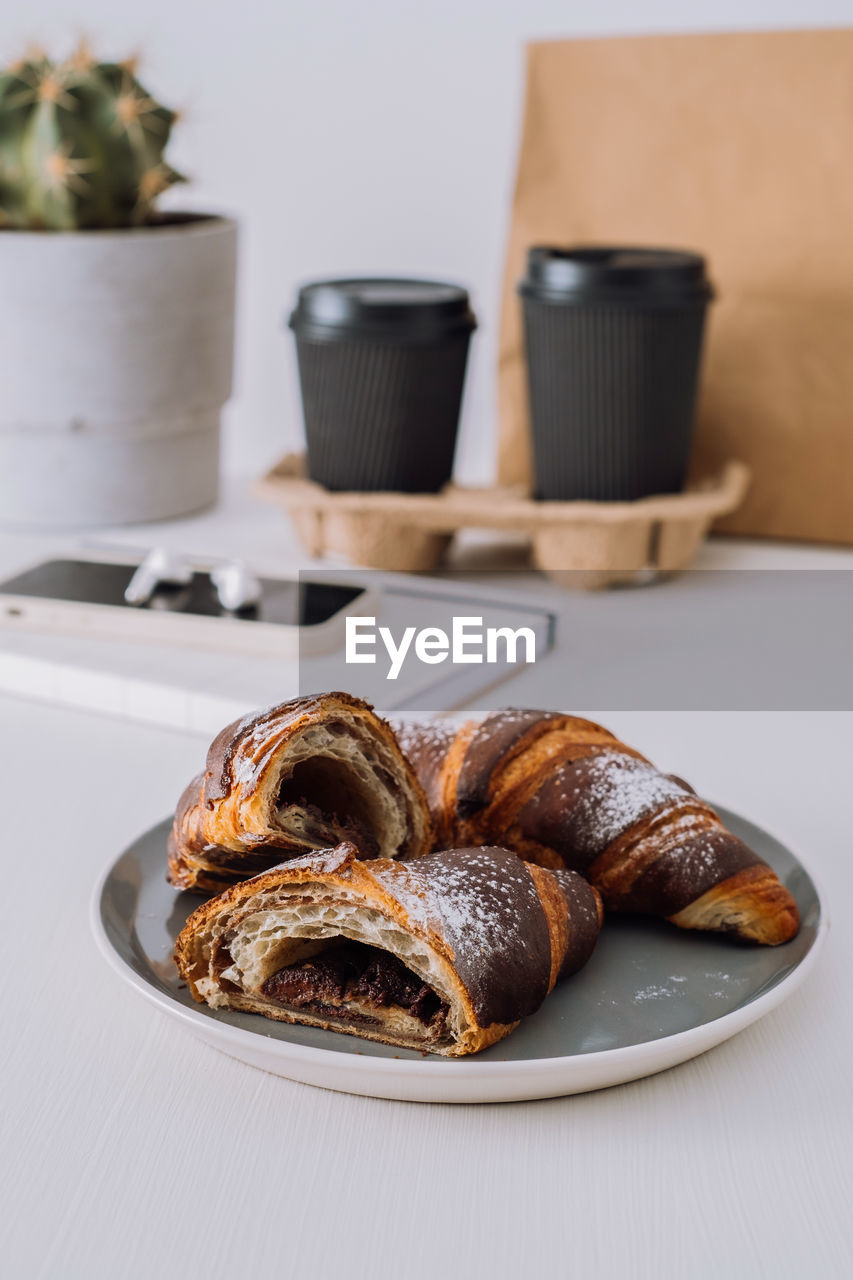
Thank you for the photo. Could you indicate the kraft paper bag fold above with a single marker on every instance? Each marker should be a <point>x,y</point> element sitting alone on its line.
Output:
<point>739,146</point>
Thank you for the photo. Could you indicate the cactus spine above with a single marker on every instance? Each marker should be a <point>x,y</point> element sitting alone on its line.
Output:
<point>81,145</point>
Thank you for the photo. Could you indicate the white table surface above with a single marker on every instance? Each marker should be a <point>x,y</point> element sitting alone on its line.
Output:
<point>131,1150</point>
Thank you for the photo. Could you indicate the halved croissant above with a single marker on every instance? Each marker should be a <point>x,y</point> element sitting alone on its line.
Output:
<point>563,791</point>
<point>302,775</point>
<point>447,953</point>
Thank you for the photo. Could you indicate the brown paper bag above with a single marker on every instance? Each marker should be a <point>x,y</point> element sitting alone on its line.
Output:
<point>739,146</point>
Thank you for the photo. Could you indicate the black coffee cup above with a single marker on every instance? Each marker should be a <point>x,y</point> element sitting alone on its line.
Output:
<point>613,339</point>
<point>381,368</point>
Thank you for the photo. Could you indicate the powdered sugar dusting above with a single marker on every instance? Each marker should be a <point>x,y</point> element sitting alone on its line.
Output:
<point>655,991</point>
<point>619,790</point>
<point>250,736</point>
<point>432,737</point>
<point>712,984</point>
<point>709,855</point>
<point>480,904</point>
<point>244,769</point>
<point>252,717</point>
<point>506,716</point>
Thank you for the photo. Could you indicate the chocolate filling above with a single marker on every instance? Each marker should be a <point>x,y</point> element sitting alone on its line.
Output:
<point>336,803</point>
<point>357,973</point>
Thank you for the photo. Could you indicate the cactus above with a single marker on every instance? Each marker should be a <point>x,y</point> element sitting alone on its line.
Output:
<point>81,145</point>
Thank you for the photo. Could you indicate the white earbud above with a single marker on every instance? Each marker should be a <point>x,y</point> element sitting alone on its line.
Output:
<point>236,587</point>
<point>159,566</point>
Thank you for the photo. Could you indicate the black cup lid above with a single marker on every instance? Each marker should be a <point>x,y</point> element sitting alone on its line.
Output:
<point>402,310</point>
<point>615,273</point>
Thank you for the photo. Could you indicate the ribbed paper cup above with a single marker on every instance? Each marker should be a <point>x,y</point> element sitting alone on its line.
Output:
<point>382,369</point>
<point>613,340</point>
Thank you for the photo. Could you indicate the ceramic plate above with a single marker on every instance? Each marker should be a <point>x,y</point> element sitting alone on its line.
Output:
<point>651,997</point>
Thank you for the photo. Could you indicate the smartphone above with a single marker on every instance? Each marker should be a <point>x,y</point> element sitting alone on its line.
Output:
<point>81,596</point>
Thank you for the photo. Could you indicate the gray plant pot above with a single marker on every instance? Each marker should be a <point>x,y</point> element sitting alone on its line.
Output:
<point>116,358</point>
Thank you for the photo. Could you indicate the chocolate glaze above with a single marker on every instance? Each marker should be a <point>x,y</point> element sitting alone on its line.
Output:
<point>221,750</point>
<point>584,920</point>
<point>553,816</point>
<point>684,872</point>
<point>426,747</point>
<point>497,735</point>
<point>490,916</point>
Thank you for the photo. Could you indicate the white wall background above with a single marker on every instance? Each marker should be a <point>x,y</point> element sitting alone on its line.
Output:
<point>357,136</point>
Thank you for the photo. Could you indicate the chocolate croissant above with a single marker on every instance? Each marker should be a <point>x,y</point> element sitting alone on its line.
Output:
<point>564,792</point>
<point>447,953</point>
<point>303,775</point>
